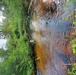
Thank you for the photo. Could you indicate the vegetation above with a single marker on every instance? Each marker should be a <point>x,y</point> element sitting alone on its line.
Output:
<point>18,58</point>
<point>72,72</point>
<point>73,41</point>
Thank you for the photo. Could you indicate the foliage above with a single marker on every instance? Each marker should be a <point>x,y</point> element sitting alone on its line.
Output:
<point>72,72</point>
<point>73,41</point>
<point>18,56</point>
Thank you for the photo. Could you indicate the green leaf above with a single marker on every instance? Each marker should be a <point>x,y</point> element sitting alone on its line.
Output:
<point>74,22</point>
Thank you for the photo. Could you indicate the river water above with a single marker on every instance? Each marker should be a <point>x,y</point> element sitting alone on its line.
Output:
<point>51,34</point>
